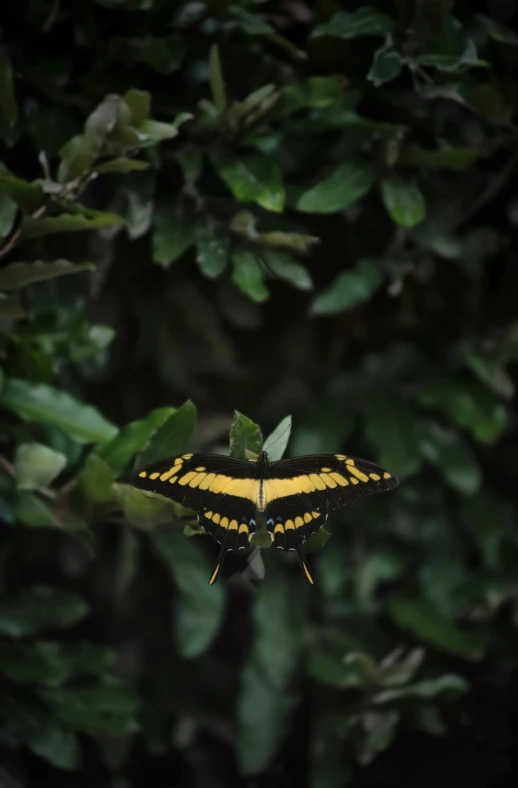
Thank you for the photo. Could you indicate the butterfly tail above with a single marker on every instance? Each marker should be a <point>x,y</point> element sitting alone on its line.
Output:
<point>219,561</point>
<point>304,564</point>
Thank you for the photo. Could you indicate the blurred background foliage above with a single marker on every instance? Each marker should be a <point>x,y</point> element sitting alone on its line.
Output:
<point>279,207</point>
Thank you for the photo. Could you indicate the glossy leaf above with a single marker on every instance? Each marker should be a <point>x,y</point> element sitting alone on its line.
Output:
<point>36,401</point>
<point>349,289</point>
<point>171,437</point>
<point>255,178</point>
<point>345,186</point>
<point>404,201</point>
<point>248,275</point>
<point>245,436</point>
<point>285,267</point>
<point>69,222</point>
<point>132,438</point>
<point>212,252</point>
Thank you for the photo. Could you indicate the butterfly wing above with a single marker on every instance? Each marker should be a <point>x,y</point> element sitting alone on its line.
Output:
<point>300,492</point>
<point>221,490</point>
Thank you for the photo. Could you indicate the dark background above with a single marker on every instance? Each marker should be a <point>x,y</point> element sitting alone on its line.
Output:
<point>329,234</point>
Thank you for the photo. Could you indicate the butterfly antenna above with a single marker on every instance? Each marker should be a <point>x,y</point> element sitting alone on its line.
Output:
<point>304,563</point>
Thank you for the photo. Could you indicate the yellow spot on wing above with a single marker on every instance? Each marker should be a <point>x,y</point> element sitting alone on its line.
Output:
<point>289,525</point>
<point>154,475</point>
<point>340,457</point>
<point>167,474</point>
<point>359,475</point>
<point>199,477</point>
<point>207,481</point>
<point>279,529</point>
<point>243,529</point>
<point>173,479</point>
<point>386,475</point>
<point>308,517</point>
<point>354,481</point>
<point>208,515</point>
<point>201,468</point>
<point>233,525</point>
<point>375,476</point>
<point>187,478</point>
<point>349,461</point>
<point>299,522</point>
<point>143,474</point>
<point>186,456</point>
<point>315,515</point>
<point>325,470</point>
<point>339,479</point>
<point>317,481</point>
<point>224,522</point>
<point>328,480</point>
<point>216,518</point>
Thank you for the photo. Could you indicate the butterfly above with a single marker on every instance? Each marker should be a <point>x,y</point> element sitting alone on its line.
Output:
<point>291,498</point>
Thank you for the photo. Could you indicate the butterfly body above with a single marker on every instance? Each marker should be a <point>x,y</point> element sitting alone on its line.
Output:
<point>290,498</point>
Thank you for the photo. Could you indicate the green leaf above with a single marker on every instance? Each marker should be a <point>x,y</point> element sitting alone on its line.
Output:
<point>7,97</point>
<point>345,186</point>
<point>453,62</point>
<point>387,64</point>
<point>29,196</point>
<point>470,406</point>
<point>444,687</point>
<point>44,404</point>
<point>157,131</point>
<point>276,443</point>
<point>248,275</point>
<point>424,621</point>
<point>38,663</point>
<point>217,83</point>
<point>171,438</point>
<point>365,21</point>
<point>268,678</point>
<point>39,608</point>
<point>403,201</point>
<point>36,465</point>
<point>11,308</point>
<point>174,232</point>
<point>132,438</point>
<point>77,157</point>
<point>245,436</point>
<point>8,211</point>
<point>18,275</point>
<point>393,430</point>
<point>139,102</point>
<point>123,165</point>
<point>212,251</point>
<point>349,289</point>
<point>255,178</point>
<point>107,709</point>
<point>199,607</point>
<point>284,266</point>
<point>68,222</point>
<point>498,31</point>
<point>142,509</point>
<point>96,479</point>
<point>34,512</point>
<point>453,457</point>
<point>295,241</point>
<point>456,159</point>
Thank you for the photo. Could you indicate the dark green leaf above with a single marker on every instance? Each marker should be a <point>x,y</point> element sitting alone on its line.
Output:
<point>77,157</point>
<point>8,211</point>
<point>32,510</point>
<point>268,679</point>
<point>7,97</point>
<point>199,607</point>
<point>109,708</point>
<point>345,186</point>
<point>39,608</point>
<point>244,436</point>
<point>96,479</point>
<point>212,251</point>
<point>447,157</point>
<point>453,457</point>
<point>256,178</point>
<point>29,196</point>
<point>139,102</point>
<point>132,438</point>
<point>18,275</point>
<point>394,432</point>
<point>404,201</point>
<point>217,83</point>
<point>450,686</point>
<point>174,232</point>
<point>123,165</point>
<point>69,222</point>
<point>387,64</point>
<point>38,402</point>
<point>365,21</point>
<point>11,308</point>
<point>424,621</point>
<point>453,62</point>
<point>350,289</point>
<point>248,275</point>
<point>469,406</point>
<point>36,465</point>
<point>171,438</point>
<point>142,509</point>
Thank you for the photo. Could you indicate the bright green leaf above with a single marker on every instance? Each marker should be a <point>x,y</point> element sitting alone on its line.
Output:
<point>29,196</point>
<point>245,436</point>
<point>41,403</point>
<point>132,438</point>
<point>68,222</point>
<point>248,275</point>
<point>36,465</point>
<point>345,186</point>
<point>404,201</point>
<point>349,289</point>
<point>255,178</point>
<point>143,509</point>
<point>77,157</point>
